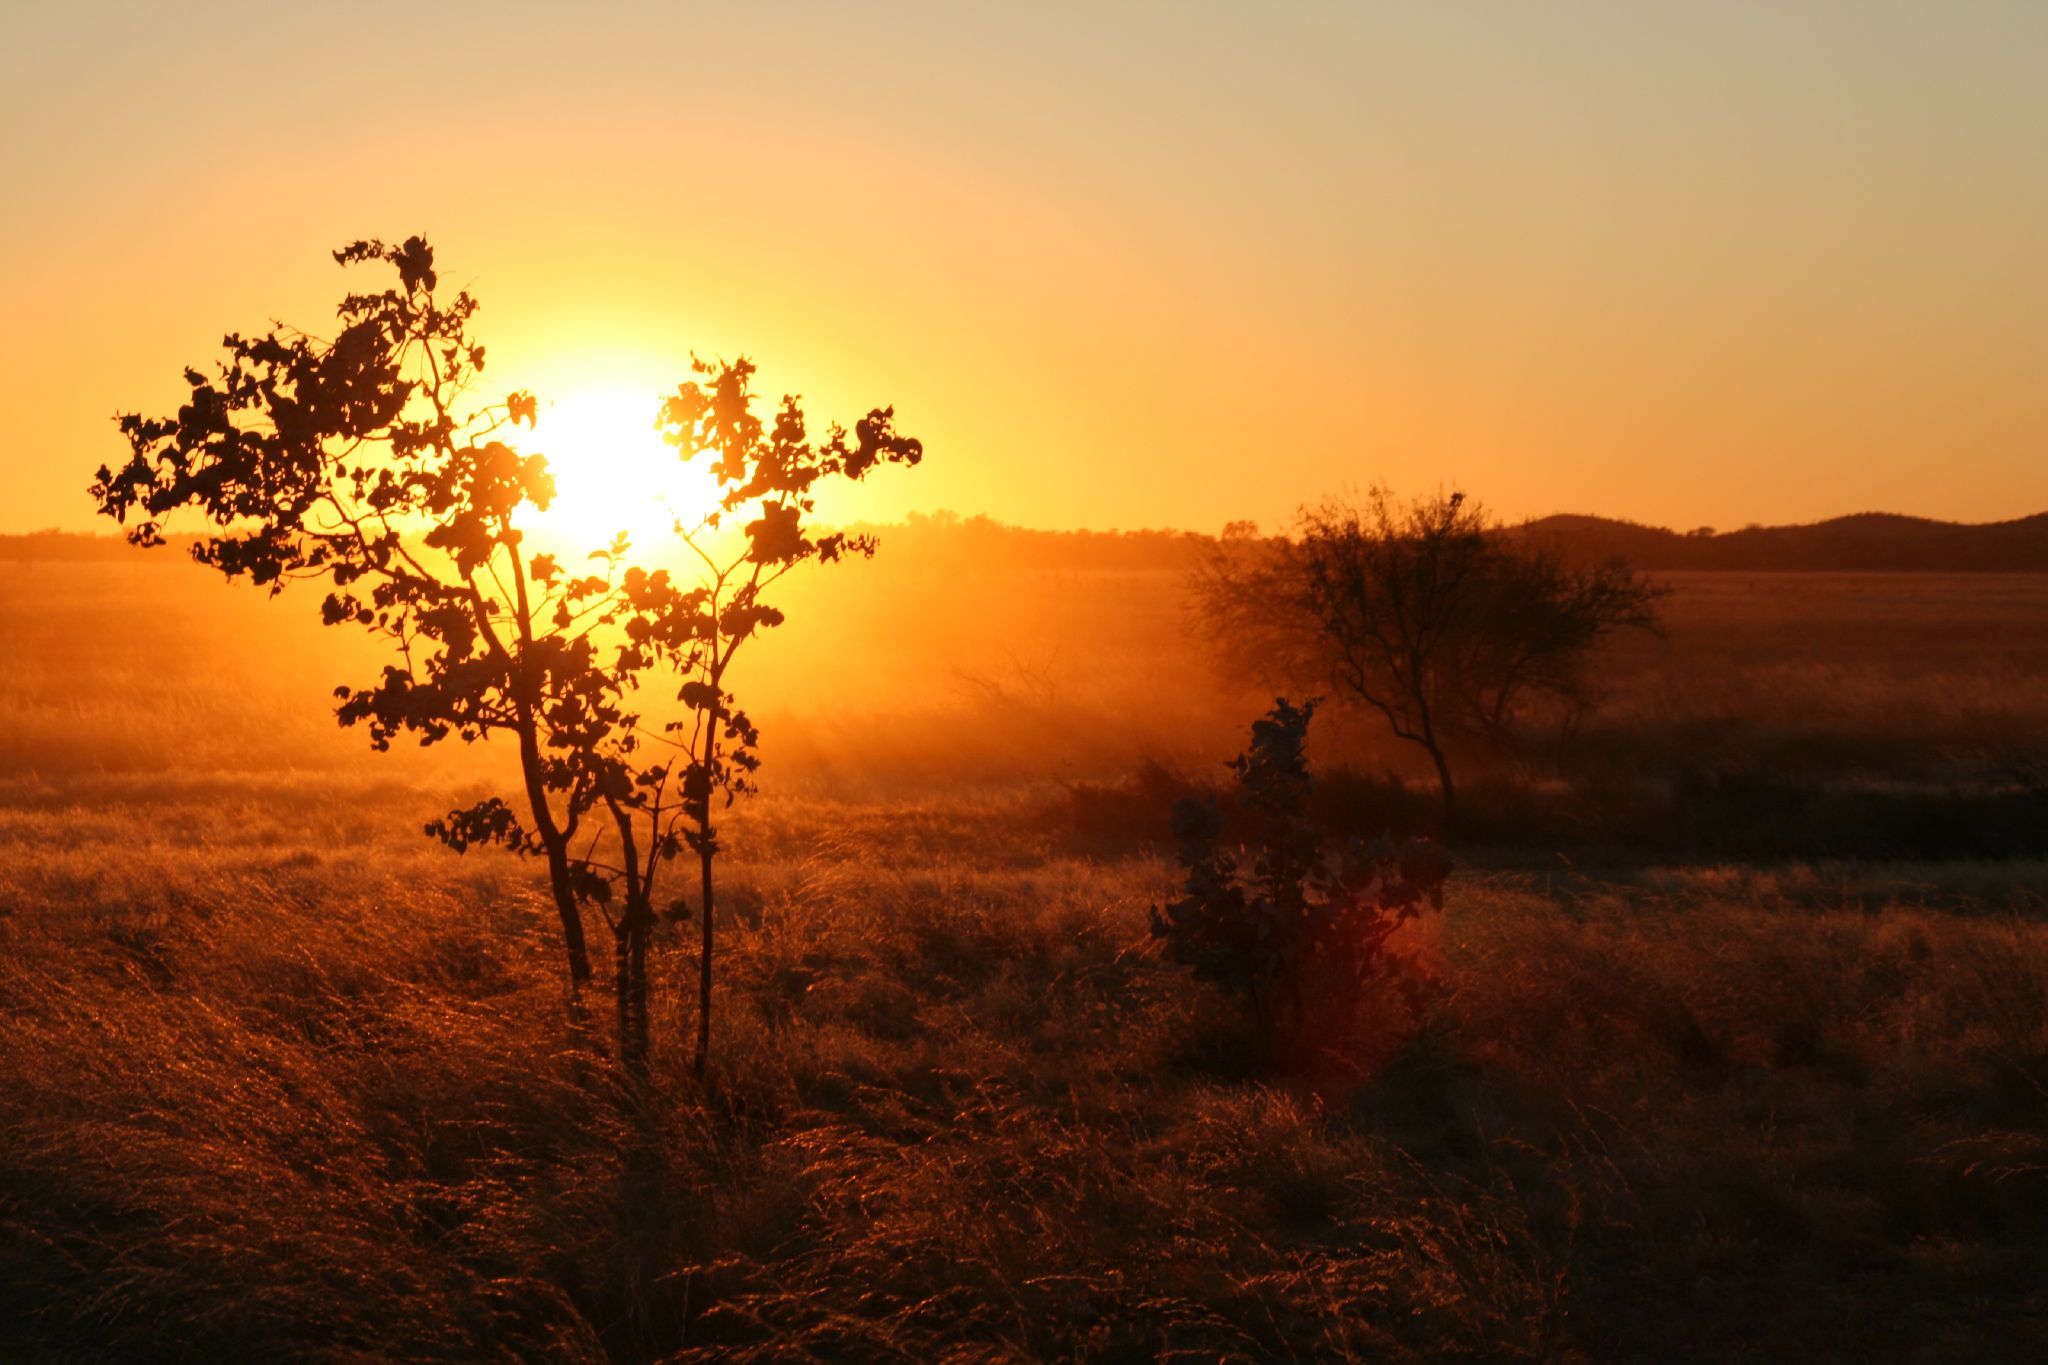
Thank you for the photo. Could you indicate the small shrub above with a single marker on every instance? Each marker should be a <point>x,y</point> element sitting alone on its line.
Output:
<point>1296,929</point>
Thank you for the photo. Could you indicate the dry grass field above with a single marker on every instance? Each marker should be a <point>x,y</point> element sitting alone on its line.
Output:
<point>1694,1064</point>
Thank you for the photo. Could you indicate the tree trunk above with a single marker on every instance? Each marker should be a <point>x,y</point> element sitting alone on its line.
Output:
<point>1443,780</point>
<point>704,857</point>
<point>630,982</point>
<point>571,913</point>
<point>557,846</point>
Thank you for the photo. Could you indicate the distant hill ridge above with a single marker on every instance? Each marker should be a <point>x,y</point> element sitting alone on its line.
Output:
<point>1864,542</point>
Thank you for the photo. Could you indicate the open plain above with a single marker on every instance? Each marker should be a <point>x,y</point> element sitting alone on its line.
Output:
<point>281,1078</point>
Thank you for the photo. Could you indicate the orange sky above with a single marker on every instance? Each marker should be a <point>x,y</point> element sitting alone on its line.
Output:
<point>1163,265</point>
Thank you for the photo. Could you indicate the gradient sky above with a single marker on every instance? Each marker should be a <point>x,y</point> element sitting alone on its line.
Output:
<point>1138,265</point>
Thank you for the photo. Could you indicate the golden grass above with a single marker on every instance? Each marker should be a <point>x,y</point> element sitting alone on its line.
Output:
<point>325,1099</point>
<point>280,1079</point>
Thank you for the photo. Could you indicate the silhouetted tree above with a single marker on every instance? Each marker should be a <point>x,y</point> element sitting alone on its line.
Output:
<point>758,533</point>
<point>361,462</point>
<point>1427,613</point>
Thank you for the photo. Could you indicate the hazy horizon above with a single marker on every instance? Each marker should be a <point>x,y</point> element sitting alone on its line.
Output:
<point>944,515</point>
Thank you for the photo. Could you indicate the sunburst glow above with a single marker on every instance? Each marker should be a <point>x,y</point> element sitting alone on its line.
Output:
<point>613,472</point>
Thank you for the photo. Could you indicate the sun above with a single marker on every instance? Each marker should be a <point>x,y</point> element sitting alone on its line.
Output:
<point>613,472</point>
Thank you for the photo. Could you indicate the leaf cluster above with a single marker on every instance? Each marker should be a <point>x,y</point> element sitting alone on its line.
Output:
<point>767,473</point>
<point>368,462</point>
<point>1292,925</point>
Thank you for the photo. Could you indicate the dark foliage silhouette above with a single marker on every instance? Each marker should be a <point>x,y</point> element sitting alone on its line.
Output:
<point>767,475</point>
<point>364,462</point>
<point>1294,929</point>
<point>670,781</point>
<point>359,462</point>
<point>1424,612</point>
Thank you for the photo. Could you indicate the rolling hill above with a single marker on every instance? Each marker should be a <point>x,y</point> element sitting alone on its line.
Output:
<point>1866,541</point>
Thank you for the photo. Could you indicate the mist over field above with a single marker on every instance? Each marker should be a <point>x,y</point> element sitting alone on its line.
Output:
<point>1039,661</point>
